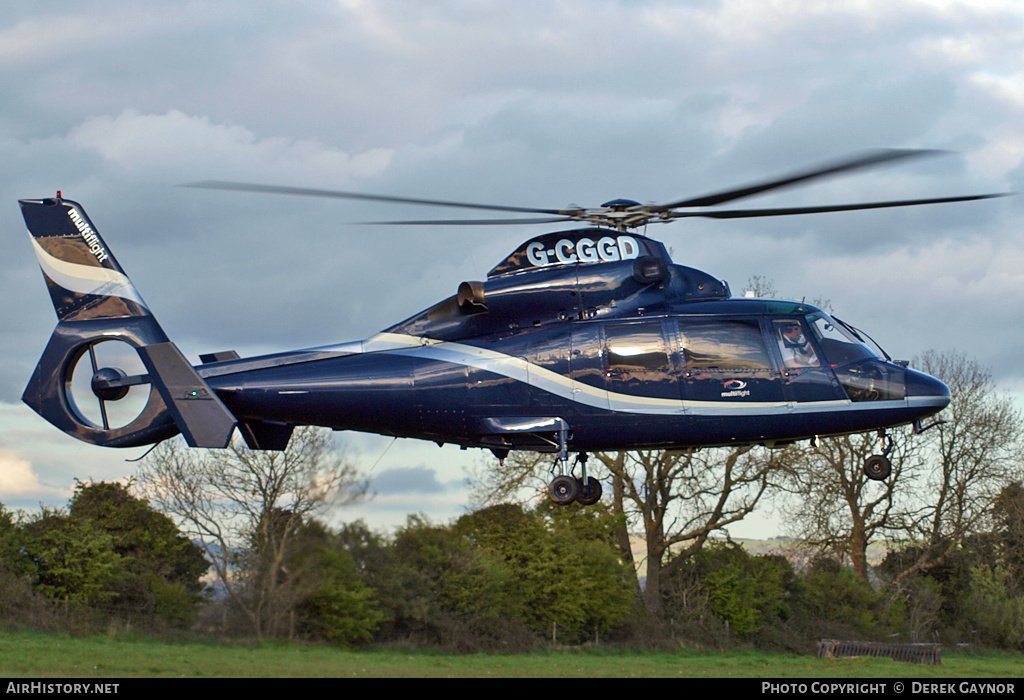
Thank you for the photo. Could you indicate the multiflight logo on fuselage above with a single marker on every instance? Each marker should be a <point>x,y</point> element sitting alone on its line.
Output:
<point>586,250</point>
<point>735,387</point>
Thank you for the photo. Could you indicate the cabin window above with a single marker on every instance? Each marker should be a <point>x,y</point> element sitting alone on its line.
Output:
<point>636,347</point>
<point>732,344</point>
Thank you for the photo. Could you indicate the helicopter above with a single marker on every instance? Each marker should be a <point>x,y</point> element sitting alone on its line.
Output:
<point>578,341</point>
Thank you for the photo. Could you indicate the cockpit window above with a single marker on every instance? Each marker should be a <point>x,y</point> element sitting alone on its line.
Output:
<point>839,345</point>
<point>794,346</point>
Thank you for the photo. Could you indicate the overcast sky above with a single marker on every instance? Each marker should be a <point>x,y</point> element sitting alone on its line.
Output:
<point>528,103</point>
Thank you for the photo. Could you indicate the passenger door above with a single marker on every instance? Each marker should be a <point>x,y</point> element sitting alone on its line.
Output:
<point>637,363</point>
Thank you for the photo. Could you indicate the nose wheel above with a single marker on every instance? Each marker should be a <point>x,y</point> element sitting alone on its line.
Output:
<point>878,467</point>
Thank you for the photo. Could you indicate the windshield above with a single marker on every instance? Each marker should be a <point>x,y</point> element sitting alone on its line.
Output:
<point>840,345</point>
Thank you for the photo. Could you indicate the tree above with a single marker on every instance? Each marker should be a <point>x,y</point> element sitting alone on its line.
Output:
<point>246,506</point>
<point>341,609</point>
<point>13,561</point>
<point>1008,534</point>
<point>75,561</point>
<point>943,481</point>
<point>19,603</point>
<point>968,585</point>
<point>108,556</point>
<point>500,578</point>
<point>678,498</point>
<point>997,615</point>
<point>566,573</point>
<point>161,568</point>
<point>839,602</point>
<point>747,592</point>
<point>400,592</point>
<point>443,588</point>
<point>760,287</point>
<point>970,457</point>
<point>840,510</point>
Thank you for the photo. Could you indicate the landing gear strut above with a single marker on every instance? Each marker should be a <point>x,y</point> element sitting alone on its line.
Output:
<point>590,488</point>
<point>878,467</point>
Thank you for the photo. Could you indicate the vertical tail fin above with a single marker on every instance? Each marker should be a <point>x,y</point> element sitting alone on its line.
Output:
<point>96,304</point>
<point>84,279</point>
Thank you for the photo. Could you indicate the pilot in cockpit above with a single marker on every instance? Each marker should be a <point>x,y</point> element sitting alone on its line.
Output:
<point>796,351</point>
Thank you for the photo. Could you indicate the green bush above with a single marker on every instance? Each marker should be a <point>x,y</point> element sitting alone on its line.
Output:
<point>998,616</point>
<point>745,592</point>
<point>342,610</point>
<point>836,598</point>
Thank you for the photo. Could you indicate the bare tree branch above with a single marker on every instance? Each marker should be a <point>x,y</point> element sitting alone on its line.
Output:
<point>246,506</point>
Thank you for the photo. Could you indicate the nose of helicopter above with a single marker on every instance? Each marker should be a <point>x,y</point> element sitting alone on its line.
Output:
<point>926,391</point>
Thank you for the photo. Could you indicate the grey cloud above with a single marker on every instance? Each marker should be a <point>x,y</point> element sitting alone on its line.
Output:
<point>403,480</point>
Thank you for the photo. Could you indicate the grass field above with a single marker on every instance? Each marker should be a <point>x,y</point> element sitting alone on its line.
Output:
<point>32,655</point>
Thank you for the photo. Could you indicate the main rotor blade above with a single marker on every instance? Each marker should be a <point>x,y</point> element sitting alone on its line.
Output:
<point>471,222</point>
<point>786,211</point>
<point>863,160</point>
<point>337,194</point>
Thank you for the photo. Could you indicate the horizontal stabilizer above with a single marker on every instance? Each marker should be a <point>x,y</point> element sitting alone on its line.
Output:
<point>212,357</point>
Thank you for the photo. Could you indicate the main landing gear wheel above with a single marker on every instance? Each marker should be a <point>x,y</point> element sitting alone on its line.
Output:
<point>94,403</point>
<point>877,467</point>
<point>589,491</point>
<point>563,490</point>
<point>566,488</point>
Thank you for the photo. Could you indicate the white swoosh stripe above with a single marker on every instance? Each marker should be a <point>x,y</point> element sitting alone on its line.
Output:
<point>86,279</point>
<point>572,390</point>
<point>519,369</point>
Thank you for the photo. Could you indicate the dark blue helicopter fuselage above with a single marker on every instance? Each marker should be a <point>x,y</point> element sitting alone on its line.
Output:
<point>478,394</point>
<point>634,353</point>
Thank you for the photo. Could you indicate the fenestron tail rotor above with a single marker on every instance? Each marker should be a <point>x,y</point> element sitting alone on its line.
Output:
<point>622,214</point>
<point>95,387</point>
